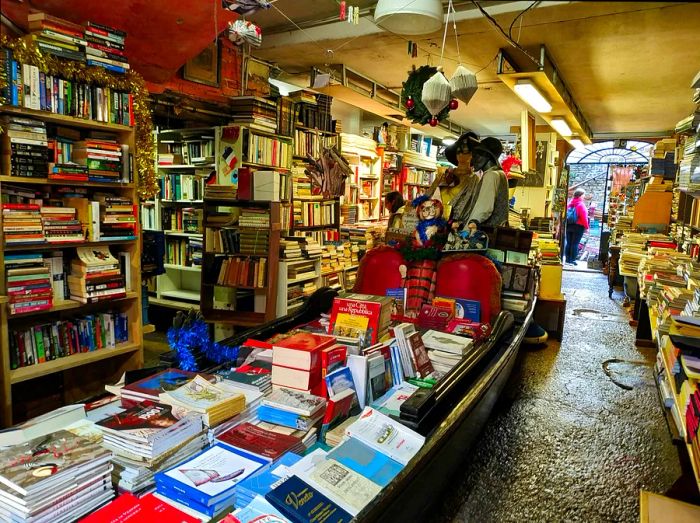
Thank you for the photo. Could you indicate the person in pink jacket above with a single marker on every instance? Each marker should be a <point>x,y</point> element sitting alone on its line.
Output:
<point>576,225</point>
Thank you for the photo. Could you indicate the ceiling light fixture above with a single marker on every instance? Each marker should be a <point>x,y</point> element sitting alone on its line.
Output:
<point>531,96</point>
<point>560,126</point>
<point>409,18</point>
<point>448,141</point>
<point>577,144</point>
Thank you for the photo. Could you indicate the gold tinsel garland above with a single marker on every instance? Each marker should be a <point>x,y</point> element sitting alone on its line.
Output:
<point>26,51</point>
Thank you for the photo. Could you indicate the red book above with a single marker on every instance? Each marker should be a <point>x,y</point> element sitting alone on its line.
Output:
<point>419,355</point>
<point>434,317</point>
<point>117,52</point>
<point>21,206</point>
<point>245,183</point>
<point>337,410</point>
<point>333,358</point>
<point>257,440</point>
<point>301,351</point>
<point>129,508</point>
<point>356,318</point>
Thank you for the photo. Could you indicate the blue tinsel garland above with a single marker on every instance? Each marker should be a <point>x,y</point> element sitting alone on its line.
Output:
<point>195,335</point>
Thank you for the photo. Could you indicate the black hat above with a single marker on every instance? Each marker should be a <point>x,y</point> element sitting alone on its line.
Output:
<point>490,146</point>
<point>468,139</point>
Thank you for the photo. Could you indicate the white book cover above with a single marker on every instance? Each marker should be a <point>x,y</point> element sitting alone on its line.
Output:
<point>446,342</point>
<point>386,435</point>
<point>343,485</point>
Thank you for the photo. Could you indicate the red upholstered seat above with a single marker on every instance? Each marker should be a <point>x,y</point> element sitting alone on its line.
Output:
<point>379,271</point>
<point>471,277</point>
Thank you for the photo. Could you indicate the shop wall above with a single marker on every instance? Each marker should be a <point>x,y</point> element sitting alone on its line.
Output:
<point>591,178</point>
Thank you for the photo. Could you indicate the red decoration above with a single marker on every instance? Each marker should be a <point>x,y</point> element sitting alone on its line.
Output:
<point>454,104</point>
<point>433,121</point>
<point>410,104</point>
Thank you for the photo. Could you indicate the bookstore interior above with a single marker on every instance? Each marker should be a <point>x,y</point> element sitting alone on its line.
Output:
<point>279,260</point>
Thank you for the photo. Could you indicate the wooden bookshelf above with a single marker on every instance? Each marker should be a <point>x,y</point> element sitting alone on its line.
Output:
<point>105,364</point>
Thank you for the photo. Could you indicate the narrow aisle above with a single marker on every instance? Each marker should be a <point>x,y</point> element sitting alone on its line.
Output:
<point>565,442</point>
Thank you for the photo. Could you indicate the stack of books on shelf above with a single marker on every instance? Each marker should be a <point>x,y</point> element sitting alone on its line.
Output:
<point>219,191</point>
<point>70,172</point>
<point>254,241</point>
<point>301,270</point>
<point>242,272</point>
<point>25,144</point>
<point>314,214</point>
<point>146,439</point>
<point>56,477</point>
<point>310,247</point>
<point>29,286</point>
<point>50,341</point>
<point>216,402</point>
<point>61,224</point>
<point>96,276</point>
<point>21,224</point>
<point>348,214</point>
<point>103,158</point>
<point>301,184</point>
<point>254,112</point>
<point>254,218</point>
<point>223,240</point>
<point>290,248</point>
<point>105,47</point>
<point>549,251</point>
<point>117,217</point>
<point>57,36</point>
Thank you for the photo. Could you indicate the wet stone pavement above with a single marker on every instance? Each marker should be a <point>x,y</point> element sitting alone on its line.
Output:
<point>578,430</point>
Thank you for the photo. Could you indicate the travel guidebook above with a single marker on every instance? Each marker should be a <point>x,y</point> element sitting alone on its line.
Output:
<point>143,422</point>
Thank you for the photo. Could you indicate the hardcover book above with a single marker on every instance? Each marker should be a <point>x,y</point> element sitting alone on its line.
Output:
<point>294,401</point>
<point>153,386</point>
<point>211,476</point>
<point>447,342</point>
<point>301,503</point>
<point>265,443</point>
<point>301,350</point>
<point>419,355</point>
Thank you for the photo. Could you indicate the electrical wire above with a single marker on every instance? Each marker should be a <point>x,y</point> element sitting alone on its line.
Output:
<point>510,29</point>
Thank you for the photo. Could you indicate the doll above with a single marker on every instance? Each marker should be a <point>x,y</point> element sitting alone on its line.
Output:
<point>430,220</point>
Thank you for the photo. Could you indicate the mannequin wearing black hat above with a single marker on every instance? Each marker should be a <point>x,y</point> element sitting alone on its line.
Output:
<point>491,204</point>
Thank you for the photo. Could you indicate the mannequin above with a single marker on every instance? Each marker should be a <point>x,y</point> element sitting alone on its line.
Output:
<point>457,185</point>
<point>490,206</point>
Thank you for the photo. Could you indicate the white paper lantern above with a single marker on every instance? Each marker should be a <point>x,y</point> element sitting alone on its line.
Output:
<point>436,93</point>
<point>463,84</point>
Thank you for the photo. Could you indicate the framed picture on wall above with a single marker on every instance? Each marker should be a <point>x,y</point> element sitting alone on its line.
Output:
<point>204,68</point>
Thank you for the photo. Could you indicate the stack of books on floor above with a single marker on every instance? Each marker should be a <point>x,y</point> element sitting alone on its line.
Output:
<point>105,47</point>
<point>61,225</point>
<point>549,252</point>
<point>147,438</point>
<point>57,36</point>
<point>256,113</point>
<point>95,276</point>
<point>117,217</point>
<point>21,224</point>
<point>26,145</point>
<point>56,477</point>
<point>446,350</point>
<point>103,158</point>
<point>29,286</point>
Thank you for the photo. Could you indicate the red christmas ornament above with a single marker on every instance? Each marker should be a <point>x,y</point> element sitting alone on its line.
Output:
<point>454,104</point>
<point>410,104</point>
<point>433,121</point>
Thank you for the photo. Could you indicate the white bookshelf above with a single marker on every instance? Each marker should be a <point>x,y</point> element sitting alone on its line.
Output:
<point>284,304</point>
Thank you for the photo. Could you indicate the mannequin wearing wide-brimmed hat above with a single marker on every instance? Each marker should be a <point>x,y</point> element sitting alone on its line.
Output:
<point>458,183</point>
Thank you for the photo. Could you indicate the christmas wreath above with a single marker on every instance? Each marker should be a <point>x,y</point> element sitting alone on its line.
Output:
<point>412,92</point>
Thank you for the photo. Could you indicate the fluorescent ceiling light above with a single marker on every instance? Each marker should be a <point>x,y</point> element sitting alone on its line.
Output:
<point>578,144</point>
<point>448,141</point>
<point>560,126</point>
<point>531,96</point>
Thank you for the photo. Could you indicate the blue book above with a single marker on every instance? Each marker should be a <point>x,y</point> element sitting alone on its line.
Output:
<point>375,466</point>
<point>211,476</point>
<point>266,478</point>
<point>42,91</point>
<point>286,418</point>
<point>259,510</point>
<point>468,309</point>
<point>212,511</point>
<point>301,503</point>
<point>14,92</point>
<point>109,67</point>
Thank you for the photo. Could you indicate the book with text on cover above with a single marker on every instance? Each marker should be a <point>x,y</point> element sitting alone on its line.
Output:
<point>350,490</point>
<point>301,503</point>
<point>294,401</point>
<point>127,508</point>
<point>251,438</point>
<point>301,350</point>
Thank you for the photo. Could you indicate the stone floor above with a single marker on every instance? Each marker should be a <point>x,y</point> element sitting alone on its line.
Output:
<point>566,443</point>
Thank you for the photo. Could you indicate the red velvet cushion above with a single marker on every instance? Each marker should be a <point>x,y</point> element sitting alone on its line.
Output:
<point>471,277</point>
<point>379,271</point>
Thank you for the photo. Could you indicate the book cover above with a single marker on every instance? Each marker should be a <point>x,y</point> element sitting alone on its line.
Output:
<point>364,460</point>
<point>265,443</point>
<point>337,411</point>
<point>257,511</point>
<point>294,401</point>
<point>24,467</point>
<point>386,435</point>
<point>301,503</point>
<point>127,508</point>
<point>398,300</point>
<point>164,381</point>
<point>266,478</point>
<point>419,355</point>
<point>340,483</point>
<point>143,421</point>
<point>433,317</point>
<point>339,381</point>
<point>332,358</point>
<point>353,318</point>
<point>468,309</point>
<point>210,476</point>
<point>447,342</point>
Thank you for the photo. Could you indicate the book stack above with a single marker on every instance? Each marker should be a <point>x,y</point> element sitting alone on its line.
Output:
<point>348,214</point>
<point>256,375</point>
<point>57,36</point>
<point>261,441</point>
<point>61,225</point>
<point>103,159</point>
<point>21,224</point>
<point>71,172</point>
<point>105,47</point>
<point>311,248</point>
<point>206,482</point>
<point>56,477</point>
<point>254,241</point>
<point>446,350</point>
<point>254,112</point>
<point>411,353</point>
<point>220,191</point>
<point>549,252</point>
<point>254,218</point>
<point>95,276</point>
<point>291,408</point>
<point>301,270</point>
<point>360,317</point>
<point>25,145</point>
<point>296,362</point>
<point>242,272</point>
<point>117,217</point>
<point>28,283</point>
<point>147,438</point>
<point>215,401</point>
<point>290,248</point>
<point>151,387</point>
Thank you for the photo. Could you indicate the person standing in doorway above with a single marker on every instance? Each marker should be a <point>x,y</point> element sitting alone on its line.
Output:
<point>576,225</point>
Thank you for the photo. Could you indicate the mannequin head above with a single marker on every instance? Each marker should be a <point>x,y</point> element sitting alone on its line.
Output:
<point>459,153</point>
<point>486,154</point>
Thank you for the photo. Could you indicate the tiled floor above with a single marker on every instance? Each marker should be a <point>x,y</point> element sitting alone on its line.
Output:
<point>566,443</point>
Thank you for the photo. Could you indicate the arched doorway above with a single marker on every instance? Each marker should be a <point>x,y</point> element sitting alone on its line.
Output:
<point>600,169</point>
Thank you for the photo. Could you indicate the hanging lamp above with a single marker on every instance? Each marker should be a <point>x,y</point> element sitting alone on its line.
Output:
<point>409,18</point>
